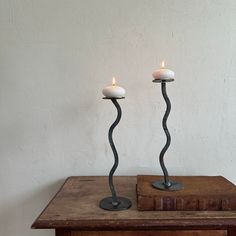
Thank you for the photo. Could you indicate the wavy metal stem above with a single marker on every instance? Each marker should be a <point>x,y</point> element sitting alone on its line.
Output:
<point>116,158</point>
<point>168,137</point>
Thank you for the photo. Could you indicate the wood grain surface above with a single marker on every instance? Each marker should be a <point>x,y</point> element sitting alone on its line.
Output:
<point>143,233</point>
<point>76,206</point>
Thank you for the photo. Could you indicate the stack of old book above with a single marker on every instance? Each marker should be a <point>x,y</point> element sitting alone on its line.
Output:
<point>200,193</point>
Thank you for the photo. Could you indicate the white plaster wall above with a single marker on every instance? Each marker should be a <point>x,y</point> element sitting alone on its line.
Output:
<point>55,58</point>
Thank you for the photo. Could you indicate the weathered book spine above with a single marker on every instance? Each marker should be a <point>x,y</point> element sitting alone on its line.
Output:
<point>189,203</point>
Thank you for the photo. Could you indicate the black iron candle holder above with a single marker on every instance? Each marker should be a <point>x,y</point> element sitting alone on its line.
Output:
<point>166,184</point>
<point>114,203</point>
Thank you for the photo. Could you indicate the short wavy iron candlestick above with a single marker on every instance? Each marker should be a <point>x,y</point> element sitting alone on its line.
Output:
<point>166,184</point>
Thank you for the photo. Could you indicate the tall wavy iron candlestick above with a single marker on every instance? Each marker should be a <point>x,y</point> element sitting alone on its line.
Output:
<point>167,184</point>
<point>116,162</point>
<point>114,203</point>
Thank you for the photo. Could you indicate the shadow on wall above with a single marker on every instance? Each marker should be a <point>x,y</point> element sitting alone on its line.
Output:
<point>18,216</point>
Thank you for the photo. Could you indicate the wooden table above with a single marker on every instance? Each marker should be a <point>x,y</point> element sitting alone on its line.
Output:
<point>74,211</point>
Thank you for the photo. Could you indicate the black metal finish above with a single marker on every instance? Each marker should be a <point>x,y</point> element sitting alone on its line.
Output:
<point>174,186</point>
<point>168,137</point>
<point>162,80</point>
<point>114,167</point>
<point>114,203</point>
<point>123,204</point>
<point>167,184</point>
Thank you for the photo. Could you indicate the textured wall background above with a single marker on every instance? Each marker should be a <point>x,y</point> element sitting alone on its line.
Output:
<point>55,58</point>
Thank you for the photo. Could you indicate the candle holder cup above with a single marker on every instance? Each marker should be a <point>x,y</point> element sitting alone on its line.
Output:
<point>114,203</point>
<point>166,184</point>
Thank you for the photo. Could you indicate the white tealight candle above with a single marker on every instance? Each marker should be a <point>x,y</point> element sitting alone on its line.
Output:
<point>113,91</point>
<point>163,73</point>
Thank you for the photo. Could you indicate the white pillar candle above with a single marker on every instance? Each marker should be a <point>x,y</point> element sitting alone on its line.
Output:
<point>163,73</point>
<point>113,91</point>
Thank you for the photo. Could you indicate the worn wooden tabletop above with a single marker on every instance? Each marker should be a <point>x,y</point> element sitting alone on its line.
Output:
<point>76,206</point>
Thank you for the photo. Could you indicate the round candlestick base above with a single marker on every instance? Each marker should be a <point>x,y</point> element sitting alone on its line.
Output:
<point>121,204</point>
<point>174,186</point>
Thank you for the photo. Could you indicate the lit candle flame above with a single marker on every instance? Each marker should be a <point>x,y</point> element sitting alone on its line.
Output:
<point>113,81</point>
<point>163,64</point>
